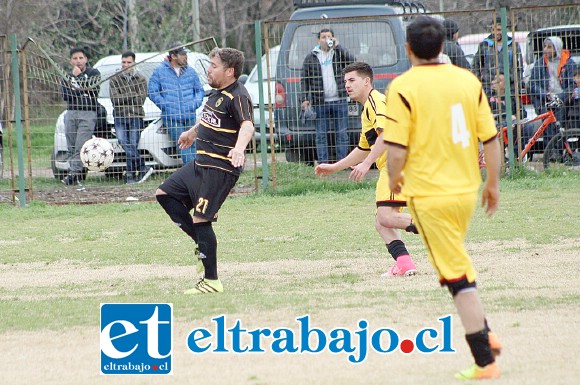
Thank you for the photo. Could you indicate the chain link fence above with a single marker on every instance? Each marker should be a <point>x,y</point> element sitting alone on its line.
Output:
<point>378,39</point>
<point>291,82</point>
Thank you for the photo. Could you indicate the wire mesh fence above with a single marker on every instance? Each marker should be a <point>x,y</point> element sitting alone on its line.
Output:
<point>378,37</point>
<point>63,107</point>
<point>308,115</point>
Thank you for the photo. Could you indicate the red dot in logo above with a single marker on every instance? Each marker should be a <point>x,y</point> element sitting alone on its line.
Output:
<point>407,346</point>
<point>155,367</point>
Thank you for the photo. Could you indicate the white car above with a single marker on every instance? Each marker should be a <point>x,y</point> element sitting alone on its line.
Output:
<point>155,146</point>
<point>252,84</point>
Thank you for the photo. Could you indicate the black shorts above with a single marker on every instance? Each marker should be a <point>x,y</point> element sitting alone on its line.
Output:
<point>203,189</point>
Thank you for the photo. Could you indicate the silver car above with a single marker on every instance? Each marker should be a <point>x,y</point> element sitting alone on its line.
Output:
<point>155,146</point>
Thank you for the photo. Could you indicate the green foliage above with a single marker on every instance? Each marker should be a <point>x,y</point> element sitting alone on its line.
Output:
<point>299,179</point>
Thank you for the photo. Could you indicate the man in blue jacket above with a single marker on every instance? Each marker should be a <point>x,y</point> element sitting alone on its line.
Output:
<point>176,89</point>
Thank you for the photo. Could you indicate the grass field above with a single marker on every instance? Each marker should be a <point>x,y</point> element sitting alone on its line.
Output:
<point>305,250</point>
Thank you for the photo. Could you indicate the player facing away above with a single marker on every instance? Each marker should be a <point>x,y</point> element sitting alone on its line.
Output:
<point>358,78</point>
<point>432,157</point>
<point>202,185</point>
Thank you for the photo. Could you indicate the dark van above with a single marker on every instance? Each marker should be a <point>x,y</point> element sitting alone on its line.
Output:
<point>373,32</point>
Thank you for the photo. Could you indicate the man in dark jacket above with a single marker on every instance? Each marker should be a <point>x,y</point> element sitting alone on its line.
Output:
<point>552,76</point>
<point>80,89</point>
<point>128,93</point>
<point>451,48</point>
<point>485,65</point>
<point>323,87</point>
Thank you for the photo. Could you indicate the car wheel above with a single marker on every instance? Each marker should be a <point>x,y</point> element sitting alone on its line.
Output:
<point>57,172</point>
<point>305,155</point>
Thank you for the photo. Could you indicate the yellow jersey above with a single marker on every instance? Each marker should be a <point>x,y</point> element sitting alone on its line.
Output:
<point>439,113</point>
<point>373,120</point>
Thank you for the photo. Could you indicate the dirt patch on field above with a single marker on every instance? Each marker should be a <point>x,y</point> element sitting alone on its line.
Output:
<point>539,344</point>
<point>91,193</point>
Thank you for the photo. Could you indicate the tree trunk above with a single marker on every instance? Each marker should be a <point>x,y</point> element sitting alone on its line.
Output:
<point>133,29</point>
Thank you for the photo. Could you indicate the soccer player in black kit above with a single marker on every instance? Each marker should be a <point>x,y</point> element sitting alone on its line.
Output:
<point>221,137</point>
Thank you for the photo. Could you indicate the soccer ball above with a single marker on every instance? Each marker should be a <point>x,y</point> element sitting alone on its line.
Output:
<point>97,154</point>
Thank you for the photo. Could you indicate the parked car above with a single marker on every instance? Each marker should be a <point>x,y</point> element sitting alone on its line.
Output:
<point>252,84</point>
<point>155,146</point>
<point>570,35</point>
<point>377,38</point>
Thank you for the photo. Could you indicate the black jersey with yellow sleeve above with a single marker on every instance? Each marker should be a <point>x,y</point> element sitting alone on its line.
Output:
<point>221,119</point>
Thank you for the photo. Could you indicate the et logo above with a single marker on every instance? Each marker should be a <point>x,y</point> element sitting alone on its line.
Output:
<point>136,338</point>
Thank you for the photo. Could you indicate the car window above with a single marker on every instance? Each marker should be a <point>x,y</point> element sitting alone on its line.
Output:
<point>372,42</point>
<point>273,58</point>
<point>109,70</point>
<point>198,62</point>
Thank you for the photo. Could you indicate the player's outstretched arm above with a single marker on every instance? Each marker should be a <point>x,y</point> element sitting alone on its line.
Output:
<point>490,194</point>
<point>355,157</point>
<point>360,170</point>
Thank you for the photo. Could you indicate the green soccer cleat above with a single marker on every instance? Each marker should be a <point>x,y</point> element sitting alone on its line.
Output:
<point>206,286</point>
<point>475,372</point>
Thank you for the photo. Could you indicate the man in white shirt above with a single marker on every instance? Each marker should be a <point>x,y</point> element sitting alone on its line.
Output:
<point>323,88</point>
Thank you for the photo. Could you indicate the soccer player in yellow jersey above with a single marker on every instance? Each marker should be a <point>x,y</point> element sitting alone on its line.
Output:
<point>432,157</point>
<point>358,77</point>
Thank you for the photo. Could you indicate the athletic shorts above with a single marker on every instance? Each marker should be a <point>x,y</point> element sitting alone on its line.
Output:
<point>442,222</point>
<point>202,189</point>
<point>384,196</point>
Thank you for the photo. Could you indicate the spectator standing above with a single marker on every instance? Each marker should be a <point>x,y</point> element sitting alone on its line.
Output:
<point>323,88</point>
<point>489,58</point>
<point>175,88</point>
<point>451,47</point>
<point>128,93</point>
<point>79,89</point>
<point>552,76</point>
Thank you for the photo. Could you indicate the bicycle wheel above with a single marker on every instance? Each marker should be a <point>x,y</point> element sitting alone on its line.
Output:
<point>563,150</point>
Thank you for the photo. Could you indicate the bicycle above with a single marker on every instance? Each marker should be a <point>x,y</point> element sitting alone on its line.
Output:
<point>562,149</point>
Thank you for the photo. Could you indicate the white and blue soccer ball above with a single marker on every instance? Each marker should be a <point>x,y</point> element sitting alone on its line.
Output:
<point>97,154</point>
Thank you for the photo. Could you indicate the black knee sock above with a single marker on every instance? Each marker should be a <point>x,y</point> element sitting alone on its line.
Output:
<point>412,228</point>
<point>178,214</point>
<point>207,248</point>
<point>479,344</point>
<point>486,327</point>
<point>397,248</point>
